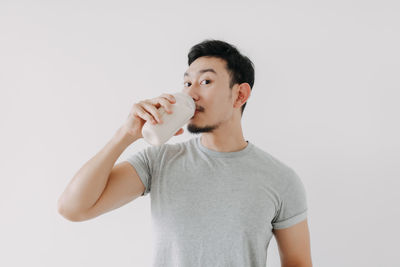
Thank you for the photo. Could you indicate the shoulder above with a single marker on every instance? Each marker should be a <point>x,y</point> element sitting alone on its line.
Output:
<point>271,161</point>
<point>281,174</point>
<point>169,149</point>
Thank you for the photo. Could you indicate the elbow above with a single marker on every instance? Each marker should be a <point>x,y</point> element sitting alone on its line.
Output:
<point>70,216</point>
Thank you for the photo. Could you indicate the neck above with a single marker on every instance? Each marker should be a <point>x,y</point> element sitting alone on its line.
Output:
<point>226,138</point>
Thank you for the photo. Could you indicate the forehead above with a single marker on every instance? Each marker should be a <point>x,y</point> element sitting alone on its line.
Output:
<point>206,64</point>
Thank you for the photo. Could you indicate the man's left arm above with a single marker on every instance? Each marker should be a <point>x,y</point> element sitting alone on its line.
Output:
<point>294,245</point>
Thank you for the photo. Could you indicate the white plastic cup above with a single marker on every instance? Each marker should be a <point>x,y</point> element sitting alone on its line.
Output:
<point>182,110</point>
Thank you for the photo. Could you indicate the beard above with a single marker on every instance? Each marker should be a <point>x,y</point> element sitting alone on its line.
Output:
<point>192,128</point>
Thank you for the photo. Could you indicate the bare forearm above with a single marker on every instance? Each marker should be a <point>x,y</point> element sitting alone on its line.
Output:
<point>89,182</point>
<point>297,265</point>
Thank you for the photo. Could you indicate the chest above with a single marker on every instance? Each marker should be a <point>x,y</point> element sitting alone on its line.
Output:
<point>218,200</point>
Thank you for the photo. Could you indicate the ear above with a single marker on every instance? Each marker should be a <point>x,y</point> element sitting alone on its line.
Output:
<point>243,93</point>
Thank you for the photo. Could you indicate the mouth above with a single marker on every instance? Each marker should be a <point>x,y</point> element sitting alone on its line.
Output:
<point>197,111</point>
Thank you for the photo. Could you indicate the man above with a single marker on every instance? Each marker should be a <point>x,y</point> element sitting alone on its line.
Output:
<point>216,199</point>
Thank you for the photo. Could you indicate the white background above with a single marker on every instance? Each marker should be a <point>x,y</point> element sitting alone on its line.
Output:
<point>325,102</point>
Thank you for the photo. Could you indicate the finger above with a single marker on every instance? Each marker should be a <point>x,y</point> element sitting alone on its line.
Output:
<point>166,104</point>
<point>155,101</point>
<point>170,97</point>
<point>152,110</point>
<point>179,132</point>
<point>140,112</point>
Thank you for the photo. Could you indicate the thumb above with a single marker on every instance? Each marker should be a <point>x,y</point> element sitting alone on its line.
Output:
<point>180,131</point>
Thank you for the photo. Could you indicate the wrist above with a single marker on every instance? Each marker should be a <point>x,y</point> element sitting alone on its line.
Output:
<point>122,136</point>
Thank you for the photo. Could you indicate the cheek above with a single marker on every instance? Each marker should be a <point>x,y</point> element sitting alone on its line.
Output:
<point>220,109</point>
<point>214,102</point>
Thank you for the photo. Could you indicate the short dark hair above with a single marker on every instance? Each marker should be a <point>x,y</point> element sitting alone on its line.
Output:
<point>239,67</point>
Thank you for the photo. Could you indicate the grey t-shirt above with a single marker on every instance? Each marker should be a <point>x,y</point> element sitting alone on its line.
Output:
<point>217,209</point>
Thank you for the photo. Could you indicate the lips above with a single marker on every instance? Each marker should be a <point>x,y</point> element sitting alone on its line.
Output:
<point>196,111</point>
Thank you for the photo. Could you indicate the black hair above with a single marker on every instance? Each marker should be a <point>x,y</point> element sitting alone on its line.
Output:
<point>239,67</point>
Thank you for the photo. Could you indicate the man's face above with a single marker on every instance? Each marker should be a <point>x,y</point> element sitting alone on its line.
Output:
<point>207,82</point>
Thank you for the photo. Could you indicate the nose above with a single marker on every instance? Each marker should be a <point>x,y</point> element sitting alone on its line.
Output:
<point>192,93</point>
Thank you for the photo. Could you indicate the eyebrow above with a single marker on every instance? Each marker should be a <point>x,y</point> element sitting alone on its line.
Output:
<point>202,71</point>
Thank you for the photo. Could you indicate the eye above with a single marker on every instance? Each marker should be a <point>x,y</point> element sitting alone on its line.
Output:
<point>184,84</point>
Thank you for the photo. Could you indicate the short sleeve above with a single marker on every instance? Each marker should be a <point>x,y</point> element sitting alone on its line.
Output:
<point>144,164</point>
<point>293,204</point>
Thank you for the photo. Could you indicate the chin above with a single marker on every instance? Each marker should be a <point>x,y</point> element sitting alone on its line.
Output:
<point>195,129</point>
